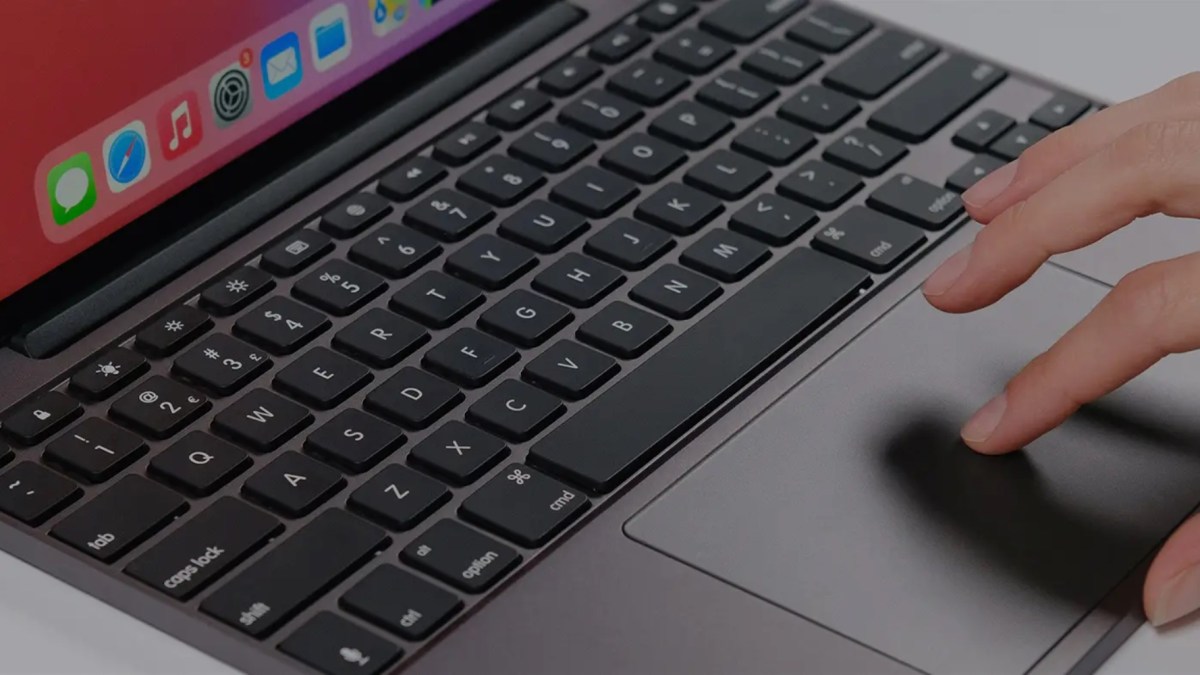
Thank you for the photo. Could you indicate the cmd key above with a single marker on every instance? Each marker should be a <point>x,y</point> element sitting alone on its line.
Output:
<point>524,505</point>
<point>938,97</point>
<point>880,65</point>
<point>871,240</point>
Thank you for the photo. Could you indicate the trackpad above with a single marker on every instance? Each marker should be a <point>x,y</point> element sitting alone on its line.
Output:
<point>852,503</point>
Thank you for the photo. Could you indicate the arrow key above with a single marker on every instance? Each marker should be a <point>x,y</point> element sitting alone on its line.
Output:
<point>981,131</point>
<point>398,497</point>
<point>458,453</point>
<point>972,172</point>
<point>293,484</point>
<point>1012,144</point>
<point>570,370</point>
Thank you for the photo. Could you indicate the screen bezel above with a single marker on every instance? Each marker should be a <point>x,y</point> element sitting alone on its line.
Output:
<point>195,206</point>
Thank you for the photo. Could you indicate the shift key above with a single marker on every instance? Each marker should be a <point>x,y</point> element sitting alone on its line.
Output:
<point>291,576</point>
<point>204,548</point>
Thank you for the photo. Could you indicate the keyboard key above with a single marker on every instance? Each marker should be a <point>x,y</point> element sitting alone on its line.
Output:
<point>643,158</point>
<point>414,398</point>
<point>880,65</point>
<point>829,28</point>
<point>515,410</point>
<point>819,109</point>
<point>221,364</point>
<point>94,450</point>
<point>458,453</point>
<point>660,16</point>
<point>600,114</point>
<point>727,175</point>
<point>568,76</point>
<point>648,83</point>
<point>281,325</point>
<point>448,215</point>
<point>274,588</point>
<point>38,418</point>
<point>524,505</point>
<point>679,209</point>
<point>774,141</point>
<point>410,178</point>
<point>355,214</point>
<point>322,378</point>
<point>691,125</point>
<point>981,131</point>
<point>782,62</point>
<point>170,332</point>
<point>332,645</point>
<point>293,484</point>
<point>773,219</point>
<point>594,192</point>
<point>490,262</point>
<point>465,143</point>
<point>872,240</point>
<point>460,556</point>
<point>618,44</point>
<point>578,280</point>
<point>737,93</point>
<point>104,376</point>
<point>726,255</point>
<point>629,244</point>
<point>202,549</point>
<point>938,97</point>
<point>398,498</point>
<point>525,318</point>
<point>394,251</point>
<point>401,603</point>
<point>594,453</point>
<point>518,109</point>
<point>436,300</point>
<point>354,440</point>
<point>916,201</point>
<point>31,493</point>
<point>339,287</point>
<point>159,407</point>
<point>501,180</point>
<point>866,152</point>
<point>745,21</point>
<point>693,52</point>
<point>295,252</point>
<point>542,226</point>
<point>470,358</point>
<point>236,290</point>
<point>199,464</point>
<point>570,370</point>
<point>676,292</point>
<point>623,330</point>
<point>379,338</point>
<point>1060,111</point>
<point>552,147</point>
<point>1012,144</point>
<point>820,185</point>
<point>261,420</point>
<point>6,453</point>
<point>972,172</point>
<point>120,518</point>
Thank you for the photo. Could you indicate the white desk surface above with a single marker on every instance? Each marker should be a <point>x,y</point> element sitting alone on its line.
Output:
<point>1113,49</point>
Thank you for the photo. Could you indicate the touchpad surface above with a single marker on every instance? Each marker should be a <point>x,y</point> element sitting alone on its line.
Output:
<point>851,501</point>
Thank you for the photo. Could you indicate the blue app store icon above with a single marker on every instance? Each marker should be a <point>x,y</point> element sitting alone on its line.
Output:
<point>281,66</point>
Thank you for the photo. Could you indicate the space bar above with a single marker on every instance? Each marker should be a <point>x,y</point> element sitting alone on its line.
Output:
<point>611,437</point>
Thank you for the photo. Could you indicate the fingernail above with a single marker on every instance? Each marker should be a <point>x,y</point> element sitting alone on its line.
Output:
<point>985,420</point>
<point>943,277</point>
<point>990,187</point>
<point>1179,597</point>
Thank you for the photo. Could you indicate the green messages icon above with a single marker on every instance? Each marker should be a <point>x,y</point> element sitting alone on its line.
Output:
<point>71,188</point>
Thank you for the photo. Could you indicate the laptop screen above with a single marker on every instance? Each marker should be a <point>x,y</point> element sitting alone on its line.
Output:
<point>109,108</point>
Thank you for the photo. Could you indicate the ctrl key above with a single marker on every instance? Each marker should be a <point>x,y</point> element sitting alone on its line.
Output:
<point>333,645</point>
<point>460,556</point>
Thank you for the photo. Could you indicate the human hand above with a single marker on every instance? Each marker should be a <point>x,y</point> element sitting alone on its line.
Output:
<point>1067,191</point>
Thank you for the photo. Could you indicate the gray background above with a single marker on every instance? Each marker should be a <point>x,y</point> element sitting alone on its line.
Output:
<point>1112,49</point>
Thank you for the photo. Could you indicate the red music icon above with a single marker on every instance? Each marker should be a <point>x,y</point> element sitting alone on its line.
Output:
<point>179,127</point>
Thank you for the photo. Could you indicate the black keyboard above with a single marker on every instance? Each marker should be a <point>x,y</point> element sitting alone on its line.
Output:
<point>398,404</point>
